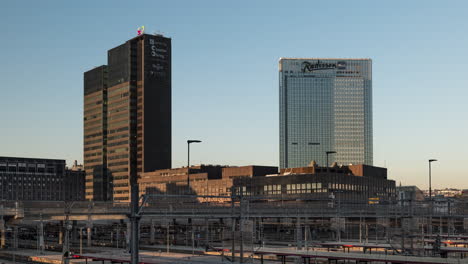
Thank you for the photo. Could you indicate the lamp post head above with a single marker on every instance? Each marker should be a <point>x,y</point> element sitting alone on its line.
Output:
<point>193,141</point>
<point>431,160</point>
<point>330,152</point>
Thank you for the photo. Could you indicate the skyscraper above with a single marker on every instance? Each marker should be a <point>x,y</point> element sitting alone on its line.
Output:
<point>325,105</point>
<point>127,115</point>
<point>95,134</point>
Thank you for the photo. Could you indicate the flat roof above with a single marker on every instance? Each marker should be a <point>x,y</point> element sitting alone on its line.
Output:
<point>359,59</point>
<point>23,158</point>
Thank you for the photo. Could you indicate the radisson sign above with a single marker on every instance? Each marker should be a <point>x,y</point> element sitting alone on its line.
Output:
<point>309,67</point>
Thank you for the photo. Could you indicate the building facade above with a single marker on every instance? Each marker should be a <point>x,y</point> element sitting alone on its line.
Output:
<point>74,183</point>
<point>95,134</point>
<point>135,120</point>
<point>325,105</point>
<point>36,179</point>
<point>347,184</point>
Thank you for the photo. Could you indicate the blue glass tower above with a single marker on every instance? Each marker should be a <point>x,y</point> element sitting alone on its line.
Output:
<point>325,105</point>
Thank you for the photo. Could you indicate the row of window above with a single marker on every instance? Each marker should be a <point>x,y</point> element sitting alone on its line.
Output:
<point>88,105</point>
<point>92,117</point>
<point>89,142</point>
<point>26,169</point>
<point>15,178</point>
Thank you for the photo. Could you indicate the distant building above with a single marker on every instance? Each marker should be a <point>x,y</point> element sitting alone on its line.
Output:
<point>325,105</point>
<point>77,167</point>
<point>354,183</point>
<point>127,117</point>
<point>37,179</point>
<point>448,192</point>
<point>464,194</point>
<point>409,194</point>
<point>445,205</point>
<point>74,184</point>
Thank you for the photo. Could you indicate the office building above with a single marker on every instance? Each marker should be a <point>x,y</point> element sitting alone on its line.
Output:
<point>37,179</point>
<point>95,134</point>
<point>127,110</point>
<point>325,105</point>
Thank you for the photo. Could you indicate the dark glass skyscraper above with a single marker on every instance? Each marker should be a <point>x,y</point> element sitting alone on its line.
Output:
<point>325,105</point>
<point>127,127</point>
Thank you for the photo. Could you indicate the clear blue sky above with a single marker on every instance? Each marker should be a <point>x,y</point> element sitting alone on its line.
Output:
<point>225,74</point>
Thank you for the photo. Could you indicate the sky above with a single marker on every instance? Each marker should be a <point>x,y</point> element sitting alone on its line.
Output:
<point>225,75</point>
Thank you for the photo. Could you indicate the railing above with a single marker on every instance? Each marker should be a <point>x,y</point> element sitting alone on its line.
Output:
<point>318,207</point>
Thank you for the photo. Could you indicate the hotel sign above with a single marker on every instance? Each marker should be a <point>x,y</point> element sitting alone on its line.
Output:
<point>319,65</point>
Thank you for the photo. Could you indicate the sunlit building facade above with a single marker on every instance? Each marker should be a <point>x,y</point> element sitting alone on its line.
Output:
<point>127,117</point>
<point>325,105</point>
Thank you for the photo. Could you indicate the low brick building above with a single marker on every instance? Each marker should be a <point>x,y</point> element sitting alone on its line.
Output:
<point>353,183</point>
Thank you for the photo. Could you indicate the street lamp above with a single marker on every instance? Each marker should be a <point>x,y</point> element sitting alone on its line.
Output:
<point>430,197</point>
<point>430,180</point>
<point>190,141</point>
<point>329,152</point>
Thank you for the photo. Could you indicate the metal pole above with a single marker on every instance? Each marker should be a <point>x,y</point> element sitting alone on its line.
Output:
<point>117,237</point>
<point>188,167</point>
<point>339,216</point>
<point>81,240</point>
<point>367,234</point>
<point>66,246</point>
<point>422,237</point>
<point>241,229</point>
<point>134,220</point>
<point>15,240</point>
<point>167,238</point>
<point>440,221</point>
<point>134,239</point>
<point>188,162</point>
<point>306,229</point>
<point>2,231</point>
<point>233,229</point>
<point>207,233</point>
<point>430,183</point>
<point>193,240</point>
<point>152,232</point>
<point>430,198</point>
<point>360,226</point>
<point>41,237</point>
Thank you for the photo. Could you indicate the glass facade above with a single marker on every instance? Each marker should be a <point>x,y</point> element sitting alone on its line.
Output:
<point>325,105</point>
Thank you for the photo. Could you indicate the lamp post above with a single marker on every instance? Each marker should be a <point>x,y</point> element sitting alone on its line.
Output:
<point>328,153</point>
<point>430,197</point>
<point>430,179</point>
<point>190,141</point>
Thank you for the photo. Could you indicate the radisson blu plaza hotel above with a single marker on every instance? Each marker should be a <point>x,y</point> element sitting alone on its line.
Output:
<point>325,106</point>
